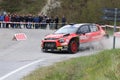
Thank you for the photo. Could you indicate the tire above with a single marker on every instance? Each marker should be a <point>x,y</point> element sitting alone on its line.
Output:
<point>73,47</point>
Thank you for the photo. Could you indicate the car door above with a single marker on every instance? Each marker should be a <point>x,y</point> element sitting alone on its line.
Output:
<point>84,33</point>
<point>95,32</point>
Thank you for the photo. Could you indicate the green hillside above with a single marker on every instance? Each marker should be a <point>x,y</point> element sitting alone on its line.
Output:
<point>74,10</point>
<point>85,10</point>
<point>22,6</point>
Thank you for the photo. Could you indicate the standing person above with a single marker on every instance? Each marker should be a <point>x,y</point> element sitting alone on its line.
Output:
<point>18,21</point>
<point>13,19</point>
<point>7,20</point>
<point>51,22</point>
<point>26,21</point>
<point>29,22</point>
<point>43,23</point>
<point>22,20</point>
<point>56,22</point>
<point>40,20</point>
<point>1,20</point>
<point>63,20</point>
<point>36,20</point>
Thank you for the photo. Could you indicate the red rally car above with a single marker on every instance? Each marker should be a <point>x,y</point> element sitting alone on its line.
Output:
<point>70,37</point>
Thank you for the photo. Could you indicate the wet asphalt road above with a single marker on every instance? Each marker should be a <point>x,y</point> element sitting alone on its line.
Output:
<point>19,58</point>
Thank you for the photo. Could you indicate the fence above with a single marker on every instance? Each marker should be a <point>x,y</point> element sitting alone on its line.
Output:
<point>30,25</point>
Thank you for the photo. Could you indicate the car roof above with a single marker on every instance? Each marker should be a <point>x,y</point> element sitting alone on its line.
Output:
<point>78,25</point>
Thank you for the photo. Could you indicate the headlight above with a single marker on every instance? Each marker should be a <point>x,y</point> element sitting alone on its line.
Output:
<point>61,40</point>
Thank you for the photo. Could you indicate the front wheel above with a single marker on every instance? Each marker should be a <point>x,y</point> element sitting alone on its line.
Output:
<point>73,47</point>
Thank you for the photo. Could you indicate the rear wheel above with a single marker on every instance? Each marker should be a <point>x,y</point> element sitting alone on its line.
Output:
<point>73,47</point>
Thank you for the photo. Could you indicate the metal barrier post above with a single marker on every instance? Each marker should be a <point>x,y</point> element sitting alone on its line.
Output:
<point>48,27</point>
<point>115,19</point>
<point>1,24</point>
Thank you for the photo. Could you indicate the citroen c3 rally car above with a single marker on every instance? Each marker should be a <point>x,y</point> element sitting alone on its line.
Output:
<point>70,37</point>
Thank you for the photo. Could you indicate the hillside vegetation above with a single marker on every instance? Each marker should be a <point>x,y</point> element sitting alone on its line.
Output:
<point>84,10</point>
<point>22,6</point>
<point>74,10</point>
<point>102,66</point>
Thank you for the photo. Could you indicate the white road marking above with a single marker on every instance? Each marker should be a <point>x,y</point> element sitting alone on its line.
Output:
<point>21,68</point>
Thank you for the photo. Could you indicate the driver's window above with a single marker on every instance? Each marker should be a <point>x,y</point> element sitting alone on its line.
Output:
<point>84,29</point>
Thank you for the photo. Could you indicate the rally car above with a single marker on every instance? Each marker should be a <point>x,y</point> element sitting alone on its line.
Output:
<point>70,37</point>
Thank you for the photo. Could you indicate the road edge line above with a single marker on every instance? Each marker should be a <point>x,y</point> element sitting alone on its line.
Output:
<point>21,68</point>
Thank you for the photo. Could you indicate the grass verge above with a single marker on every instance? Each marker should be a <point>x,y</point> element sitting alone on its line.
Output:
<point>102,66</point>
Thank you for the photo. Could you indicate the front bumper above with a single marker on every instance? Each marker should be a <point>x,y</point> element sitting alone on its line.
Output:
<point>53,46</point>
<point>56,49</point>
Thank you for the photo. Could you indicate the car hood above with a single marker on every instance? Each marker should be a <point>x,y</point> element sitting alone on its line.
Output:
<point>55,36</point>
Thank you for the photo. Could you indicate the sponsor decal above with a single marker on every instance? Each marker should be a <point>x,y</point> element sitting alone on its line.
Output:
<point>83,37</point>
<point>94,37</point>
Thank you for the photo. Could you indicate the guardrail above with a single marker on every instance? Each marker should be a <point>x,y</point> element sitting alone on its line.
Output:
<point>110,26</point>
<point>33,25</point>
<point>30,25</point>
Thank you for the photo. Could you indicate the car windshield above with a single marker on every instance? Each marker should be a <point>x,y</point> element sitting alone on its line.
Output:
<point>66,30</point>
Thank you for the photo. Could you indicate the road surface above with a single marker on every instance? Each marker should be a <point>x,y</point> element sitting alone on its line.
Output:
<point>19,58</point>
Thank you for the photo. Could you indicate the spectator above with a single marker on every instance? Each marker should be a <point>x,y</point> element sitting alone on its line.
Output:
<point>63,20</point>
<point>26,20</point>
<point>41,18</point>
<point>13,19</point>
<point>43,23</point>
<point>18,21</point>
<point>56,22</point>
<point>7,20</point>
<point>51,22</point>
<point>48,20</point>
<point>30,20</point>
<point>1,20</point>
<point>22,21</point>
<point>36,20</point>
